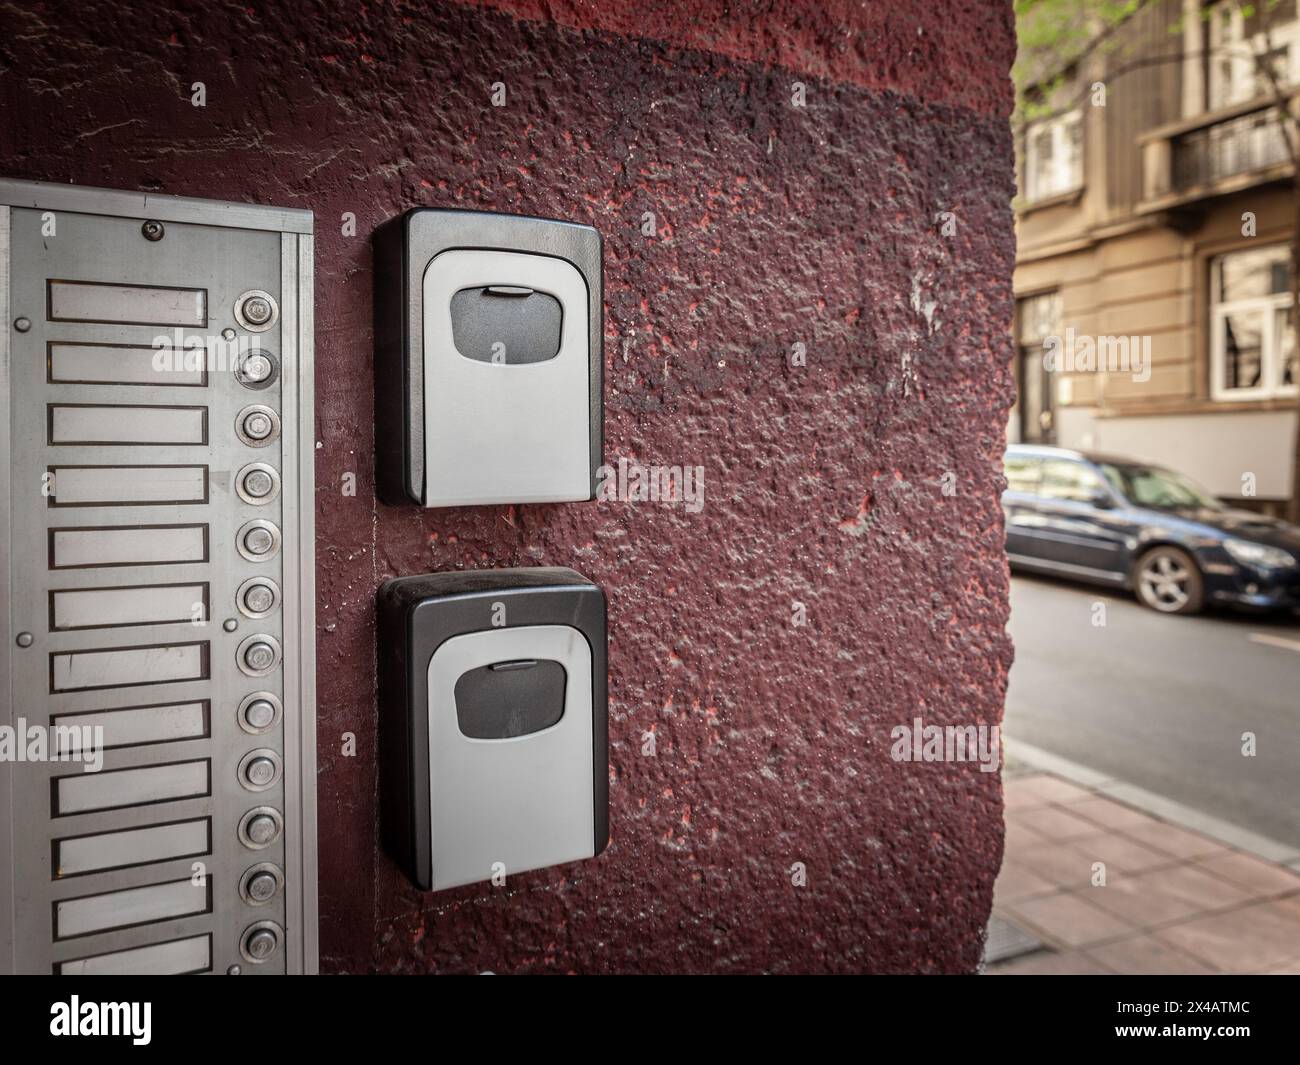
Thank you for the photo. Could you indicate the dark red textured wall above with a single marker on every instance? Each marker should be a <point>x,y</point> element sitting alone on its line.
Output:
<point>824,483</point>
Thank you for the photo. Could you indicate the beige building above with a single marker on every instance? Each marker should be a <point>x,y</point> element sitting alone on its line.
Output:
<point>1155,217</point>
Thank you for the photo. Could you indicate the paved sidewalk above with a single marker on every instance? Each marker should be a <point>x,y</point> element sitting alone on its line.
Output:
<point>1174,901</point>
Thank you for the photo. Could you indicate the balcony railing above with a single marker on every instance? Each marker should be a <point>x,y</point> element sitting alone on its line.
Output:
<point>1213,155</point>
<point>1238,146</point>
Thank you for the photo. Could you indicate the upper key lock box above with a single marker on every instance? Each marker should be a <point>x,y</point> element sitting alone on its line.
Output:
<point>493,722</point>
<point>489,359</point>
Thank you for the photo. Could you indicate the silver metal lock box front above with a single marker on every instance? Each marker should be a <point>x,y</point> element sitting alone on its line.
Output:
<point>489,359</point>
<point>157,560</point>
<point>493,723</point>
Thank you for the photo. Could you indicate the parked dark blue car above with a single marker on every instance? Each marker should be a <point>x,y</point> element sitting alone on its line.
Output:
<point>1132,525</point>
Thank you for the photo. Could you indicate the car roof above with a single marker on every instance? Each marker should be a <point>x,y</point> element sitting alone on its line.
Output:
<point>1048,451</point>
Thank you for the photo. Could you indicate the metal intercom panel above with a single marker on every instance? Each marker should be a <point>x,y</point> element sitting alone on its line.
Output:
<point>157,556</point>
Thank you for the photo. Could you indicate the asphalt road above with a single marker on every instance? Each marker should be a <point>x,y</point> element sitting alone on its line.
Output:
<point>1162,702</point>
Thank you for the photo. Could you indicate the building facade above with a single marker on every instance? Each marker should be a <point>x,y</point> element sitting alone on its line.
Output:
<point>1155,218</point>
<point>765,180</point>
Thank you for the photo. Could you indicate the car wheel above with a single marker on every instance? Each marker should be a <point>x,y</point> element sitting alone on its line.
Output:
<point>1168,580</point>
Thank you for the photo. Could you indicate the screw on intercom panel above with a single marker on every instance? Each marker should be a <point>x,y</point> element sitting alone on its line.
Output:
<point>152,230</point>
<point>22,324</point>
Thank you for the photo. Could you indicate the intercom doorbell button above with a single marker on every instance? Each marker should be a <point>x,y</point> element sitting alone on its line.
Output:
<point>257,310</point>
<point>258,540</point>
<point>257,369</point>
<point>258,655</point>
<point>258,596</point>
<point>260,941</point>
<point>260,827</point>
<point>259,769</point>
<point>259,712</point>
<point>257,426</point>
<point>257,483</point>
<point>261,883</point>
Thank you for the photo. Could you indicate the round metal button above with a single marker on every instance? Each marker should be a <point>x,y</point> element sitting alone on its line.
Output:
<point>257,483</point>
<point>258,654</point>
<point>257,425</point>
<point>261,883</point>
<point>258,597</point>
<point>257,369</point>
<point>256,310</point>
<point>260,941</point>
<point>258,540</point>
<point>261,944</point>
<point>259,657</point>
<point>260,827</point>
<point>260,771</point>
<point>260,714</point>
<point>261,887</point>
<point>24,639</point>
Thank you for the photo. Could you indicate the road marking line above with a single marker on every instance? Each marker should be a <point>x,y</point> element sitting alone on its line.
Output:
<point>1274,641</point>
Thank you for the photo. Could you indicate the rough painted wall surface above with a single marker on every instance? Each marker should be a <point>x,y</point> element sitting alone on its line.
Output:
<point>824,483</point>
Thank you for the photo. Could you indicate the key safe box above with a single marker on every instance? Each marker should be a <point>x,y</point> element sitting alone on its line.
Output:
<point>156,554</point>
<point>489,359</point>
<point>493,722</point>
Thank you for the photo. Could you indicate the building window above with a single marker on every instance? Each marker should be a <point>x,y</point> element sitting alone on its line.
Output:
<point>1252,341</point>
<point>1238,37</point>
<point>1037,318</point>
<point>1054,156</point>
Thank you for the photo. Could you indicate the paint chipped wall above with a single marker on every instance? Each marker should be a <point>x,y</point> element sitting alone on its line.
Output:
<point>853,487</point>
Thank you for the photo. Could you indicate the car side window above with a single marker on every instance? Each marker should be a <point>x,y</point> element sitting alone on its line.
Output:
<point>1023,473</point>
<point>1068,480</point>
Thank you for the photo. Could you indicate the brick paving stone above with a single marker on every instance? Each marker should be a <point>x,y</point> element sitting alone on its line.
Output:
<point>1069,919</point>
<point>1146,955</point>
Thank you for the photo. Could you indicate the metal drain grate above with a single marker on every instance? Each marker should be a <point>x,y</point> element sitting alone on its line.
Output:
<point>1006,940</point>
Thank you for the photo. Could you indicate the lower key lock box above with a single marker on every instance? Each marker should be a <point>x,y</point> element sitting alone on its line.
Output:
<point>494,723</point>
<point>156,562</point>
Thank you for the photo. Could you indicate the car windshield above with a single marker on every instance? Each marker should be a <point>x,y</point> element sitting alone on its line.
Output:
<point>1149,486</point>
